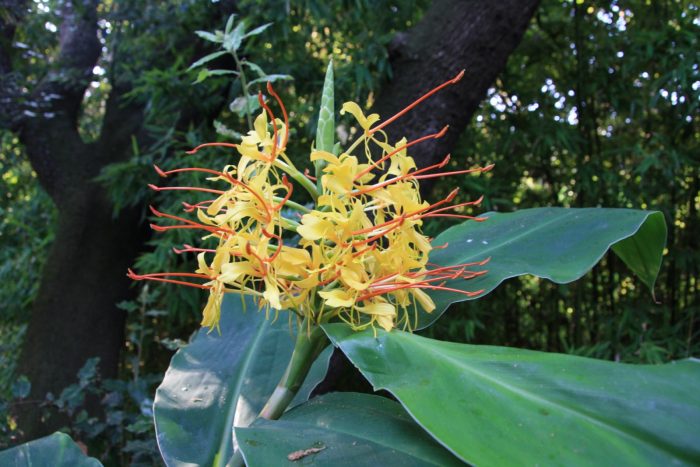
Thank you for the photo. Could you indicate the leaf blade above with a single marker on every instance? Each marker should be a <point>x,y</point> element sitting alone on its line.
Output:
<point>512,406</point>
<point>557,244</point>
<point>57,449</point>
<point>350,429</point>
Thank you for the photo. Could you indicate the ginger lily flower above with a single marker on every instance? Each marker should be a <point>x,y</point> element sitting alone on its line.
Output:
<point>362,257</point>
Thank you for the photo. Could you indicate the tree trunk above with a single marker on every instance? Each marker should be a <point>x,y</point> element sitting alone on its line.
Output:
<point>477,36</point>
<point>74,316</point>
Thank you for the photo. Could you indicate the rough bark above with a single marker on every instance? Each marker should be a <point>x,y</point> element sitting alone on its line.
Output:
<point>92,248</point>
<point>477,36</point>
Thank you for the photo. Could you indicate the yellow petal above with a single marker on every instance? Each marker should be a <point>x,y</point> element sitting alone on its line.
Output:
<point>337,298</point>
<point>355,111</point>
<point>261,125</point>
<point>351,275</point>
<point>384,313</point>
<point>313,227</point>
<point>272,294</point>
<point>324,156</point>
<point>231,272</point>
<point>424,299</point>
<point>203,266</point>
<point>212,311</point>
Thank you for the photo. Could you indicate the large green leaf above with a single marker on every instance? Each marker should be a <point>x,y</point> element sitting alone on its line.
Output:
<point>57,450</point>
<point>349,429</point>
<point>553,243</point>
<point>221,380</point>
<point>501,406</point>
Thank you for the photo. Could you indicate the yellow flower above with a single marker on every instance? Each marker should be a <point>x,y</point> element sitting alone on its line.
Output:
<point>361,257</point>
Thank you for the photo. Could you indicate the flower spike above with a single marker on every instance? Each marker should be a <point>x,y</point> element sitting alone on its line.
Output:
<point>360,257</point>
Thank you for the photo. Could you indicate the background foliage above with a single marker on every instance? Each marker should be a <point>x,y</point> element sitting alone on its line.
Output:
<point>598,106</point>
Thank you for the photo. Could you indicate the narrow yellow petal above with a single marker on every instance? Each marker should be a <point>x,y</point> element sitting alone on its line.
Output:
<point>337,298</point>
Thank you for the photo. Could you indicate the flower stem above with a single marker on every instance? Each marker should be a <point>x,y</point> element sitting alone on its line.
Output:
<point>244,86</point>
<point>308,346</point>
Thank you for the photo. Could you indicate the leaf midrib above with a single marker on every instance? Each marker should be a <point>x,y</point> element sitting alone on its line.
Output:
<point>247,361</point>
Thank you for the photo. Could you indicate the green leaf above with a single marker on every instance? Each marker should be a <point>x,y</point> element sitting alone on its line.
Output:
<point>270,79</point>
<point>325,131</point>
<point>239,105</point>
<point>254,67</point>
<point>204,74</point>
<point>553,243</point>
<point>201,76</point>
<point>256,31</point>
<point>643,251</point>
<point>219,380</point>
<point>207,58</point>
<point>232,41</point>
<point>207,36</point>
<point>229,24</point>
<point>501,406</point>
<point>57,450</point>
<point>349,429</point>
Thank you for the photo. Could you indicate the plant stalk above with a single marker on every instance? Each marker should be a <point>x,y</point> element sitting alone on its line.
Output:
<point>308,346</point>
<point>244,85</point>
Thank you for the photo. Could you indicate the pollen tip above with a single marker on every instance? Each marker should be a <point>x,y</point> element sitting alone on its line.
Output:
<point>157,228</point>
<point>442,132</point>
<point>155,211</point>
<point>479,200</point>
<point>459,76</point>
<point>488,168</point>
<point>191,151</point>
<point>160,171</point>
<point>177,252</point>
<point>153,187</point>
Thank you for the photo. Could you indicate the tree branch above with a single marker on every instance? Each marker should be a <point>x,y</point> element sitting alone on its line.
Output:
<point>49,130</point>
<point>11,13</point>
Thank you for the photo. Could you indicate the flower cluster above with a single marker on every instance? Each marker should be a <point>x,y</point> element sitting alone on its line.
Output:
<point>361,257</point>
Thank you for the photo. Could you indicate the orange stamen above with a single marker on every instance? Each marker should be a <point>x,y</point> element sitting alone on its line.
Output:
<point>190,249</point>
<point>290,188</point>
<point>456,172</point>
<point>206,145</point>
<point>184,188</point>
<point>418,101</point>
<point>373,166</point>
<point>284,115</point>
<point>308,175</point>
<point>157,278</point>
<point>273,156</point>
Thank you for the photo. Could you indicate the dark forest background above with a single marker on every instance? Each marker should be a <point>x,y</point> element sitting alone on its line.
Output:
<point>578,103</point>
